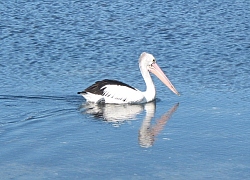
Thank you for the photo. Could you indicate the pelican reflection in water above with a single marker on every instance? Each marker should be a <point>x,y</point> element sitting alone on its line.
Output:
<point>148,132</point>
<point>120,113</point>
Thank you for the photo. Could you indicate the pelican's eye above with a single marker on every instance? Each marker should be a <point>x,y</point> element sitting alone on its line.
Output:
<point>152,63</point>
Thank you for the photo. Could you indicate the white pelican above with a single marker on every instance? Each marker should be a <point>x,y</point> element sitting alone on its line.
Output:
<point>112,91</point>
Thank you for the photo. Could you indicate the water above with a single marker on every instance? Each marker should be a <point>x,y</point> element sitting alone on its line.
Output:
<point>52,49</point>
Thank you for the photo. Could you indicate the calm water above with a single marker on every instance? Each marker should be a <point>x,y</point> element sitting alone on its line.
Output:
<point>52,49</point>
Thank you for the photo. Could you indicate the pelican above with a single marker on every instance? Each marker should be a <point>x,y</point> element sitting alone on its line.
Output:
<point>113,91</point>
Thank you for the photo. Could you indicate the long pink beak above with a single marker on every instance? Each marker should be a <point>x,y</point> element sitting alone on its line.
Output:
<point>159,73</point>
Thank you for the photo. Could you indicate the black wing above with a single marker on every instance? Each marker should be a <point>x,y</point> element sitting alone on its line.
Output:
<point>97,87</point>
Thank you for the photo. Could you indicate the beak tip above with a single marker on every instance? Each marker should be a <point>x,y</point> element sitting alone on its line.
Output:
<point>178,94</point>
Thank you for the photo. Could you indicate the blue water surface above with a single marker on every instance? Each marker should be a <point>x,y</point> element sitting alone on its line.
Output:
<point>50,50</point>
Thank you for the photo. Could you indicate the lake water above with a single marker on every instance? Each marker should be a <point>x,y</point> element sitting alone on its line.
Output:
<point>50,50</point>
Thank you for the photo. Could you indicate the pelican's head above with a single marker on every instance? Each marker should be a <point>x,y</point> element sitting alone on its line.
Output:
<point>148,61</point>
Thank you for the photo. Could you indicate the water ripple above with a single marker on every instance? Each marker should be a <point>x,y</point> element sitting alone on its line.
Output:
<point>25,108</point>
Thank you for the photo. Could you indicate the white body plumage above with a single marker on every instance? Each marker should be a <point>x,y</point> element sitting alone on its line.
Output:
<point>112,91</point>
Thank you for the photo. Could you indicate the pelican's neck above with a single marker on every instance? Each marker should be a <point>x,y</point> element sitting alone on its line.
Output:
<point>150,92</point>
